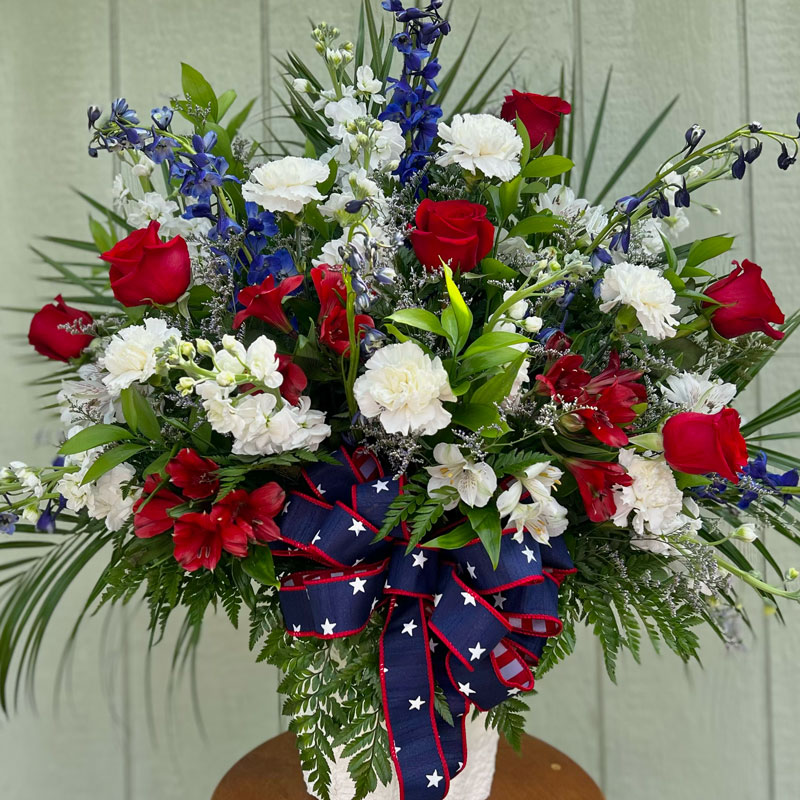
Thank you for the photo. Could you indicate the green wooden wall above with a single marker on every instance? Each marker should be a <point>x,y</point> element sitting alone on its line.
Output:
<point>729,730</point>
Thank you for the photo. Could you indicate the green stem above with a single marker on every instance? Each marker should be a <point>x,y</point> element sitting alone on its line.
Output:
<point>750,579</point>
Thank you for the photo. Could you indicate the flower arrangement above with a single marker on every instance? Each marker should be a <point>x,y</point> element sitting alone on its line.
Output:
<point>406,398</point>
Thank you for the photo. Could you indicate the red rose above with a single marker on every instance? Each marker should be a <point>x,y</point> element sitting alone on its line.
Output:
<point>702,443</point>
<point>748,304</point>
<point>596,481</point>
<point>145,270</point>
<point>540,114</point>
<point>51,338</point>
<point>455,232</point>
<point>332,320</point>
<point>294,379</point>
<point>197,476</point>
<point>150,517</point>
<point>265,302</point>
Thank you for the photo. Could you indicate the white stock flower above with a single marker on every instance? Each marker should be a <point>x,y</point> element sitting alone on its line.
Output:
<point>405,388</point>
<point>481,142</point>
<point>107,499</point>
<point>519,309</point>
<point>649,294</point>
<point>152,206</point>
<point>262,362</point>
<point>698,392</point>
<point>219,409</point>
<point>87,399</point>
<point>459,478</point>
<point>301,85</point>
<point>367,83</point>
<point>131,355</point>
<point>341,112</point>
<point>653,499</point>
<point>144,167</point>
<point>541,515</point>
<point>286,184</point>
<point>28,479</point>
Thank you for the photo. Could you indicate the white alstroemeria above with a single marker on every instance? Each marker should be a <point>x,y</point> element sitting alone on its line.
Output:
<point>652,505</point>
<point>28,479</point>
<point>540,514</point>
<point>109,500</point>
<point>514,247</point>
<point>519,309</point>
<point>648,293</point>
<point>481,142</point>
<point>87,400</point>
<point>697,392</point>
<point>286,184</point>
<point>458,478</point>
<point>132,355</point>
<point>367,83</point>
<point>405,389</point>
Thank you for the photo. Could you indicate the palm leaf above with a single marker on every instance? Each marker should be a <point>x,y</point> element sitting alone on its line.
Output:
<point>598,126</point>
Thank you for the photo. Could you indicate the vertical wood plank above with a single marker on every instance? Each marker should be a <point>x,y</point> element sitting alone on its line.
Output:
<point>236,696</point>
<point>52,69</point>
<point>772,30</point>
<point>659,51</point>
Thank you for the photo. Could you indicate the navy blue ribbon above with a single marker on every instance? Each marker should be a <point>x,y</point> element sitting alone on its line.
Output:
<point>452,620</point>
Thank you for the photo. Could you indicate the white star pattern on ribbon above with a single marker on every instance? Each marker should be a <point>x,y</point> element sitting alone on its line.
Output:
<point>374,603</point>
<point>419,559</point>
<point>499,601</point>
<point>286,507</point>
<point>471,570</point>
<point>434,779</point>
<point>317,537</point>
<point>433,645</point>
<point>409,628</point>
<point>357,527</point>
<point>469,600</point>
<point>529,554</point>
<point>476,652</point>
<point>465,689</point>
<point>358,585</point>
<point>296,628</point>
<point>381,486</point>
<point>416,705</point>
<point>436,599</point>
<point>320,490</point>
<point>327,627</point>
<point>514,690</point>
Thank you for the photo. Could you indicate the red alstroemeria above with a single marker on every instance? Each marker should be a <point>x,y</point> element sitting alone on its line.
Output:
<point>254,513</point>
<point>565,379</point>
<point>197,476</point>
<point>332,293</point>
<point>150,517</point>
<point>294,379</point>
<point>265,302</point>
<point>596,481</point>
<point>200,538</point>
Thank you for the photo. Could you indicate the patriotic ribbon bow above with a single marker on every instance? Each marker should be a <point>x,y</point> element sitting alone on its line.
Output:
<point>452,619</point>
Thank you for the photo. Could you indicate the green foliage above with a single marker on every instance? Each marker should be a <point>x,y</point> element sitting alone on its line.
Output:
<point>509,719</point>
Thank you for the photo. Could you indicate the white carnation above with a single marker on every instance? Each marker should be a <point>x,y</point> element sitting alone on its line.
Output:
<point>458,478</point>
<point>132,354</point>
<point>286,184</point>
<point>405,388</point>
<point>699,393</point>
<point>653,499</point>
<point>649,294</point>
<point>107,498</point>
<point>481,142</point>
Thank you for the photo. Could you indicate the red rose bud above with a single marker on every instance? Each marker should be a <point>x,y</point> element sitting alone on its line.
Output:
<point>704,443</point>
<point>748,304</point>
<point>195,475</point>
<point>455,232</point>
<point>539,113</point>
<point>596,481</point>
<point>294,379</point>
<point>55,330</point>
<point>150,513</point>
<point>145,270</point>
<point>265,302</point>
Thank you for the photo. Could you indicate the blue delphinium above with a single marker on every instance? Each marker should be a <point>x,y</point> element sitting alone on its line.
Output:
<point>8,522</point>
<point>410,103</point>
<point>761,478</point>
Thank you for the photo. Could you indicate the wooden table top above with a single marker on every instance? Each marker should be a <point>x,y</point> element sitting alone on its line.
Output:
<point>272,772</point>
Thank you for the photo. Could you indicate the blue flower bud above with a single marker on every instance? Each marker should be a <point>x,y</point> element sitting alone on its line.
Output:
<point>753,153</point>
<point>628,204</point>
<point>784,159</point>
<point>693,136</point>
<point>682,199</point>
<point>739,166</point>
<point>755,127</point>
<point>93,113</point>
<point>372,340</point>
<point>354,206</point>
<point>162,117</point>
<point>8,522</point>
